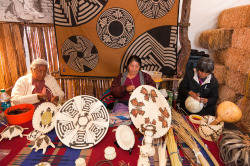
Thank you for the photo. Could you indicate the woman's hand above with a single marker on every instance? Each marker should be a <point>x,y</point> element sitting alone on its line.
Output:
<point>204,100</point>
<point>194,95</point>
<point>55,100</point>
<point>130,88</point>
<point>42,97</point>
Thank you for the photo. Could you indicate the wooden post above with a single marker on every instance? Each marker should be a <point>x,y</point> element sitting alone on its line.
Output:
<point>184,40</point>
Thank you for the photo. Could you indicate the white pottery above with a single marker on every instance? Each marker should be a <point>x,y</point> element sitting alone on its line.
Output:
<point>80,162</point>
<point>143,157</point>
<point>210,132</point>
<point>82,122</point>
<point>12,131</point>
<point>33,135</point>
<point>192,105</point>
<point>109,153</point>
<point>125,137</point>
<point>42,142</point>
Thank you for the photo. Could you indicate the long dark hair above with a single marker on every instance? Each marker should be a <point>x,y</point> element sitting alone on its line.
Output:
<point>134,58</point>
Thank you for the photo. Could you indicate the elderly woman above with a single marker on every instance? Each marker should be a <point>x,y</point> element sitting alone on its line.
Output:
<point>124,84</point>
<point>36,87</point>
<point>200,84</point>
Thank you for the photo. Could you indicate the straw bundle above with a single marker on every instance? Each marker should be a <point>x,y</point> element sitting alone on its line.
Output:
<point>172,148</point>
<point>181,133</point>
<point>241,38</point>
<point>237,82</point>
<point>220,56</point>
<point>236,17</point>
<point>236,59</point>
<point>178,119</point>
<point>226,94</point>
<point>216,39</point>
<point>219,73</point>
<point>244,123</point>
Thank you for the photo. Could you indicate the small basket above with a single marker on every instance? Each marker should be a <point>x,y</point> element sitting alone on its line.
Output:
<point>22,117</point>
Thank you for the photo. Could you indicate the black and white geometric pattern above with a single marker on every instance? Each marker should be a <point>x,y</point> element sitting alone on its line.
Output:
<point>87,128</point>
<point>157,50</point>
<point>115,27</point>
<point>155,8</point>
<point>76,12</point>
<point>80,54</point>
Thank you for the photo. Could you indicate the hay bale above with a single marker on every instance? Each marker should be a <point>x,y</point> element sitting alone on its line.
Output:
<point>236,17</point>
<point>220,56</point>
<point>241,38</point>
<point>219,73</point>
<point>237,59</point>
<point>226,94</point>
<point>237,81</point>
<point>244,123</point>
<point>216,39</point>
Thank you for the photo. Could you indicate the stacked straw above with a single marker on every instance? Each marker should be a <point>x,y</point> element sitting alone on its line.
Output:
<point>216,39</point>
<point>240,38</point>
<point>244,105</point>
<point>178,120</point>
<point>219,73</point>
<point>172,148</point>
<point>235,57</point>
<point>226,94</point>
<point>236,81</point>
<point>236,17</point>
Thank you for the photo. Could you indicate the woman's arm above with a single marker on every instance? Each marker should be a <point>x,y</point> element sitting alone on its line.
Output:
<point>19,93</point>
<point>214,94</point>
<point>184,88</point>
<point>148,80</point>
<point>55,88</point>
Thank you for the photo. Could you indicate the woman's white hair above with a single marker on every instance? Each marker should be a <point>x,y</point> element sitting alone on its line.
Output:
<point>38,62</point>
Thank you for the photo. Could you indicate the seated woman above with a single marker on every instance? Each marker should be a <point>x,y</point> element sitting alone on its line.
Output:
<point>124,84</point>
<point>200,84</point>
<point>36,87</point>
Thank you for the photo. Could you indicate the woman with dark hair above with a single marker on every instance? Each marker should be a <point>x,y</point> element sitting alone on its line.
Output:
<point>201,85</point>
<point>124,84</point>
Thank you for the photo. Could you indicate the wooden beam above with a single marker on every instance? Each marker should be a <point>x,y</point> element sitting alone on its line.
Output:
<point>184,40</point>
